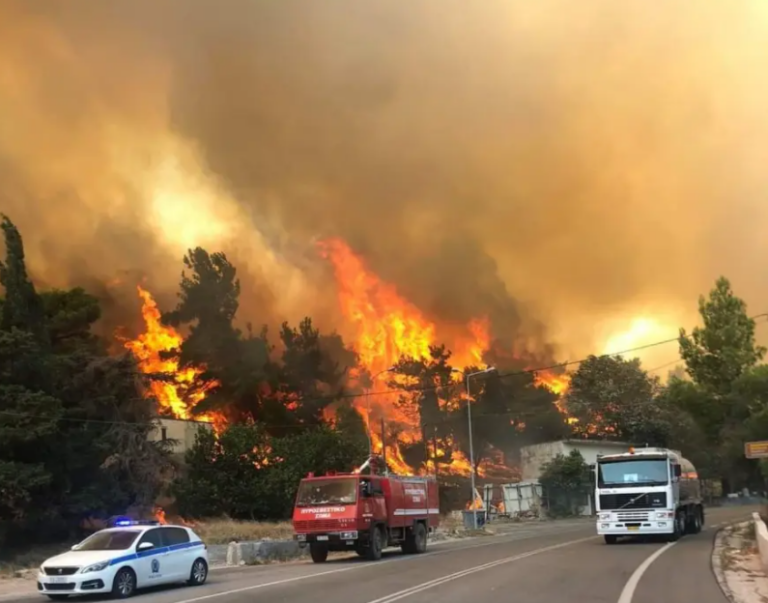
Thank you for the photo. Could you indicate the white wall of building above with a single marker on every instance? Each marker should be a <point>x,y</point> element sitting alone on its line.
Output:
<point>183,432</point>
<point>533,458</point>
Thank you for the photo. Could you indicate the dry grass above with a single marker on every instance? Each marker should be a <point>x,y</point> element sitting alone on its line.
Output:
<point>29,560</point>
<point>224,531</point>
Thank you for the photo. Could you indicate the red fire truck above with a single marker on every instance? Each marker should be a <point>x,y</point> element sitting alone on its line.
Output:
<point>364,513</point>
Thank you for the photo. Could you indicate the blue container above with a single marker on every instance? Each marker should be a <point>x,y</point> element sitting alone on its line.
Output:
<point>467,515</point>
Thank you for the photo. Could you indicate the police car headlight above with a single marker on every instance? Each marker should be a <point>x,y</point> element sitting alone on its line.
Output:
<point>96,567</point>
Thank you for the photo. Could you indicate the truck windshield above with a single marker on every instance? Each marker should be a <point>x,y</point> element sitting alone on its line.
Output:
<point>327,492</point>
<point>645,472</point>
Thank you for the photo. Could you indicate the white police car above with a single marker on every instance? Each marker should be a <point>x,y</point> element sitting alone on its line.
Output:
<point>124,558</point>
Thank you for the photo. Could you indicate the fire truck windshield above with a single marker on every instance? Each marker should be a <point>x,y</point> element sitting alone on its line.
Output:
<point>635,472</point>
<point>327,492</point>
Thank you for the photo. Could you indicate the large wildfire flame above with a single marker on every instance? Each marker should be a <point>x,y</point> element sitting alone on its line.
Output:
<point>387,327</point>
<point>173,393</point>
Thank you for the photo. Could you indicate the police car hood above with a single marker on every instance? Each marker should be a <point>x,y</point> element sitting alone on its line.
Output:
<point>83,558</point>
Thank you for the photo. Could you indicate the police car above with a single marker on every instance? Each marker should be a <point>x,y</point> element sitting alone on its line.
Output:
<point>124,558</point>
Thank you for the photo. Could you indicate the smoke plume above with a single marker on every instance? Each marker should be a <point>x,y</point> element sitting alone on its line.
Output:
<point>549,163</point>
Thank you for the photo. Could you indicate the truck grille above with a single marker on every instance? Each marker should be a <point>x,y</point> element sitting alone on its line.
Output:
<point>647,500</point>
<point>631,516</point>
<point>60,571</point>
<point>316,524</point>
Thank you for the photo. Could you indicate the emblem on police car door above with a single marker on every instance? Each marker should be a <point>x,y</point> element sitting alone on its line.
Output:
<point>155,566</point>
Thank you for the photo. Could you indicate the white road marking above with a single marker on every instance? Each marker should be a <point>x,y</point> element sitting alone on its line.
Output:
<point>629,588</point>
<point>275,583</point>
<point>472,570</point>
<point>400,594</point>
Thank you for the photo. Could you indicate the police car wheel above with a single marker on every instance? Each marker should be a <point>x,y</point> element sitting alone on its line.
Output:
<point>199,573</point>
<point>124,585</point>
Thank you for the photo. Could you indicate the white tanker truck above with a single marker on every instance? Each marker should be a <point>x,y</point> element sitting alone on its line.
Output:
<point>647,491</point>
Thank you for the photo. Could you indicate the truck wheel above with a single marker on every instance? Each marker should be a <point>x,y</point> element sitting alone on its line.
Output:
<point>610,539</point>
<point>696,522</point>
<point>420,538</point>
<point>318,552</point>
<point>416,541</point>
<point>375,546</point>
<point>678,529</point>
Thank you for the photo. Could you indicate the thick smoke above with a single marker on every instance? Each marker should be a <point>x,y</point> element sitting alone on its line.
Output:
<point>547,163</point>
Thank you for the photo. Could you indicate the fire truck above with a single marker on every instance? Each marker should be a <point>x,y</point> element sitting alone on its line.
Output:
<point>364,513</point>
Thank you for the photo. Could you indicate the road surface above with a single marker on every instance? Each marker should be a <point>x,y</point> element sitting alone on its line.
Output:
<point>535,563</point>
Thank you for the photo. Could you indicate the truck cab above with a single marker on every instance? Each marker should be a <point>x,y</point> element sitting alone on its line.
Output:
<point>364,513</point>
<point>647,491</point>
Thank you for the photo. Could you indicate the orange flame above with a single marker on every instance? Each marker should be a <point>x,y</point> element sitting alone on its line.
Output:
<point>388,328</point>
<point>173,396</point>
<point>159,515</point>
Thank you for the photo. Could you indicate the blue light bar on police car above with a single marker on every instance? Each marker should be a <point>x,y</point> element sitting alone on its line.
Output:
<point>121,523</point>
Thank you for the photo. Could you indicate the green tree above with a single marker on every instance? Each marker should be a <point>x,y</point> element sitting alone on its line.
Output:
<point>724,348</point>
<point>247,474</point>
<point>22,307</point>
<point>303,382</point>
<point>234,364</point>
<point>616,399</point>
<point>566,481</point>
<point>429,395</point>
<point>65,409</point>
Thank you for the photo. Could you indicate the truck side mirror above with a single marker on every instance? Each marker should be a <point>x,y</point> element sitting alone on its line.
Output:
<point>678,470</point>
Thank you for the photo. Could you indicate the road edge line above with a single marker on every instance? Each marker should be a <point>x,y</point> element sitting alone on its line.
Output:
<point>631,585</point>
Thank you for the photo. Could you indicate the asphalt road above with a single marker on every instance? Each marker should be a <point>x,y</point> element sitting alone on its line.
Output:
<point>536,563</point>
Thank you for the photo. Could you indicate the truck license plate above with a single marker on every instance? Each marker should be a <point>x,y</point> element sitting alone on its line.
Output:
<point>322,537</point>
<point>58,580</point>
<point>632,528</point>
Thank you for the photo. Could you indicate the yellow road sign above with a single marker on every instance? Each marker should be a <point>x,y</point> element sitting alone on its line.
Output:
<point>756,450</point>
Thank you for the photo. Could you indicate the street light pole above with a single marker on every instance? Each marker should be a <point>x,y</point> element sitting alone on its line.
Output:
<point>471,444</point>
<point>368,408</point>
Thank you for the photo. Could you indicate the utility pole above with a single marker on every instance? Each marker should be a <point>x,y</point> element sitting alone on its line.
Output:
<point>471,445</point>
<point>384,446</point>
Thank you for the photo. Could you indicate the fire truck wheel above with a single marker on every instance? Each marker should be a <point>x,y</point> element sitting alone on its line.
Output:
<point>318,552</point>
<point>416,541</point>
<point>375,546</point>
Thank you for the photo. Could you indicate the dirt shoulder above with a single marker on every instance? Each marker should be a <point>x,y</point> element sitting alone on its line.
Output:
<point>736,563</point>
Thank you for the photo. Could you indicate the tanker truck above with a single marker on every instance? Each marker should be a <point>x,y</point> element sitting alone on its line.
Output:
<point>647,491</point>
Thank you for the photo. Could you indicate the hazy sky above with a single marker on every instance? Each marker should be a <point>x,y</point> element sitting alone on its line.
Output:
<point>565,167</point>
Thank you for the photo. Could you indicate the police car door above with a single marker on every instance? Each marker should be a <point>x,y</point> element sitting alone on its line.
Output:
<point>152,563</point>
<point>180,557</point>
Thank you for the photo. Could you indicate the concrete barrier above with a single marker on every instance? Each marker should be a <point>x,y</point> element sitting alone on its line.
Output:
<point>262,551</point>
<point>761,535</point>
<point>217,555</point>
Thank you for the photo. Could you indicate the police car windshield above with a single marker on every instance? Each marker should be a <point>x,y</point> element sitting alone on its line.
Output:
<point>625,474</point>
<point>113,540</point>
<point>327,492</point>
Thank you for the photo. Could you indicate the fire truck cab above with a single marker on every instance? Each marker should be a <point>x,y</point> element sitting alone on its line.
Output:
<point>364,513</point>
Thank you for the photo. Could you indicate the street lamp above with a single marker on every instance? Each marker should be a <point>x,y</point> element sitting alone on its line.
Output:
<point>368,407</point>
<point>467,377</point>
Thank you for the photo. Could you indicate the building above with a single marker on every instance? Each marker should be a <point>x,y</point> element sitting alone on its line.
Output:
<point>534,457</point>
<point>181,433</point>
